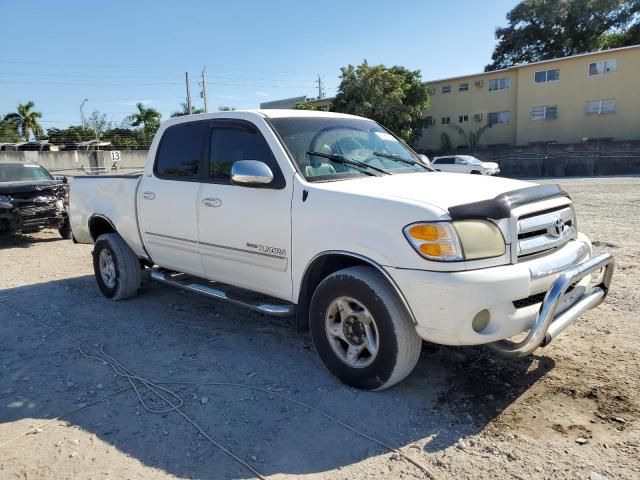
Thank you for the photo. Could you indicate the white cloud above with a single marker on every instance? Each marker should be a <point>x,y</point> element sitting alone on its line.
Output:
<point>262,94</point>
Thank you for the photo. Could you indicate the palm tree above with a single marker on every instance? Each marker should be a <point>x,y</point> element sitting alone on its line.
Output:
<point>145,117</point>
<point>185,110</point>
<point>148,119</point>
<point>27,120</point>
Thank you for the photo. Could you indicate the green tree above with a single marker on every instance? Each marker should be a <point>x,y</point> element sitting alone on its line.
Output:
<point>470,139</point>
<point>72,134</point>
<point>545,29</point>
<point>396,97</point>
<point>148,121</point>
<point>185,111</point>
<point>26,119</point>
<point>304,106</point>
<point>9,129</point>
<point>226,108</point>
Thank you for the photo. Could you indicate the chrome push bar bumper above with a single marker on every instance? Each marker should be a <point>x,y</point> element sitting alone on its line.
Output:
<point>548,325</point>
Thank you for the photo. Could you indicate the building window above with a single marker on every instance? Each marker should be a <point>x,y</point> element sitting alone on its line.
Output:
<point>430,121</point>
<point>499,84</point>
<point>446,89</point>
<point>463,118</point>
<point>602,68</point>
<point>498,117</point>
<point>600,107</point>
<point>544,113</point>
<point>446,120</point>
<point>545,76</point>
<point>463,87</point>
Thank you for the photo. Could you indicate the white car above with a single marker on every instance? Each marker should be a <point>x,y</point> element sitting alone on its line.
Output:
<point>465,164</point>
<point>331,218</point>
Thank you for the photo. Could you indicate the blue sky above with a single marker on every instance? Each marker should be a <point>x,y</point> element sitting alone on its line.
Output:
<point>116,53</point>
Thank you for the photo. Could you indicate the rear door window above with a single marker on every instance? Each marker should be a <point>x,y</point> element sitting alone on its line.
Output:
<point>445,161</point>
<point>181,151</point>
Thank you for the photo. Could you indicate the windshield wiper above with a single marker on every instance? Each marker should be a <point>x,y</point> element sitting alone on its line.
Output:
<point>349,161</point>
<point>393,156</point>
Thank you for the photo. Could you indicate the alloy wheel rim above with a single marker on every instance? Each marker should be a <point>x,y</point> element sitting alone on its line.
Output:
<point>352,332</point>
<point>107,268</point>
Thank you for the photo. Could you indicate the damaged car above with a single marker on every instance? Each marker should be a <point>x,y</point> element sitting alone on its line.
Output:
<point>31,199</point>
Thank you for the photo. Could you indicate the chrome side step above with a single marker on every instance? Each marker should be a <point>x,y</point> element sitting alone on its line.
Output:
<point>203,289</point>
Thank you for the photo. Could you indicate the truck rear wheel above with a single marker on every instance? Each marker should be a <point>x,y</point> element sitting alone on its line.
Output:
<point>117,268</point>
<point>361,331</point>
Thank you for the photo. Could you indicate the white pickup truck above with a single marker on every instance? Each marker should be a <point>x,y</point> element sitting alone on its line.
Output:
<point>330,217</point>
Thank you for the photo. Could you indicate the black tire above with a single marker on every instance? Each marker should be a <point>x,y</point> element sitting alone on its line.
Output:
<point>65,229</point>
<point>128,270</point>
<point>398,343</point>
<point>476,172</point>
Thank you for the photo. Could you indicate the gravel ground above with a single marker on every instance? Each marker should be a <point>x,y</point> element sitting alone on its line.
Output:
<point>569,411</point>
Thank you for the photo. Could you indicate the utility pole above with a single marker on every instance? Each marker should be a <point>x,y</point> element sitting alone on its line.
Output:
<point>203,93</point>
<point>82,119</point>
<point>186,75</point>
<point>320,88</point>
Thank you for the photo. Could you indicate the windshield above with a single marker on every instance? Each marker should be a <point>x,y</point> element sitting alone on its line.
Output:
<point>23,173</point>
<point>330,148</point>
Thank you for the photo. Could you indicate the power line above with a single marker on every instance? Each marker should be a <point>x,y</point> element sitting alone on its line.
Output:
<point>73,75</point>
<point>85,65</point>
<point>147,84</point>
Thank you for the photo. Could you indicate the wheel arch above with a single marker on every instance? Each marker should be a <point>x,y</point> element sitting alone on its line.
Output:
<point>99,225</point>
<point>326,263</point>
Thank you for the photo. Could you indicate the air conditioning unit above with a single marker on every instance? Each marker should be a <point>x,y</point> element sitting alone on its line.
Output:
<point>477,117</point>
<point>479,83</point>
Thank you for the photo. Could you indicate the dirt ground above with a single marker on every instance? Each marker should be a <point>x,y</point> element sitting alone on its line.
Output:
<point>569,411</point>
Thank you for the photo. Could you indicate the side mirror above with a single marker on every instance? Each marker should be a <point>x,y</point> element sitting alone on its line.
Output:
<point>251,173</point>
<point>425,159</point>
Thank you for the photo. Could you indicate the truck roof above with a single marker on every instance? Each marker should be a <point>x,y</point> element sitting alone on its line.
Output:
<point>279,113</point>
<point>265,113</point>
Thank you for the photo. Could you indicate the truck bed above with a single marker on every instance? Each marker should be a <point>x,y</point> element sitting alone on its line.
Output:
<point>110,196</point>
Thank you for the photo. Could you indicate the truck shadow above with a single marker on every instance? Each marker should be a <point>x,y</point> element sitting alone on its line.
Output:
<point>169,336</point>
<point>25,240</point>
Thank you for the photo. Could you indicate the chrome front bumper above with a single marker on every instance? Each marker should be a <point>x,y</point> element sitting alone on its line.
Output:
<point>548,325</point>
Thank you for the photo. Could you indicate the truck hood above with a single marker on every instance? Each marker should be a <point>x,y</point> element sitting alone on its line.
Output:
<point>439,189</point>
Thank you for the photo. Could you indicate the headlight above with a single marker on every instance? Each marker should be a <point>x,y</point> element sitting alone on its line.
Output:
<point>450,242</point>
<point>435,241</point>
<point>480,239</point>
<point>5,202</point>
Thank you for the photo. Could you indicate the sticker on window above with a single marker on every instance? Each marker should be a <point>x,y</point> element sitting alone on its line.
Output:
<point>385,136</point>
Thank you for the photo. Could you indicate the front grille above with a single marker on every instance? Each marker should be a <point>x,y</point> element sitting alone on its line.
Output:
<point>32,210</point>
<point>543,231</point>
<point>535,298</point>
<point>532,300</point>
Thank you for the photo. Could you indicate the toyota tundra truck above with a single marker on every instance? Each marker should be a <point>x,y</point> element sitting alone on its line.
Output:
<point>333,219</point>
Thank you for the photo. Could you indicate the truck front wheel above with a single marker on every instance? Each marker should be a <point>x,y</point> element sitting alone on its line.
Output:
<point>361,331</point>
<point>117,268</point>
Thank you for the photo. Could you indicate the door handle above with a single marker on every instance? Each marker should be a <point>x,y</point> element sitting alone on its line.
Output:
<point>211,202</point>
<point>148,195</point>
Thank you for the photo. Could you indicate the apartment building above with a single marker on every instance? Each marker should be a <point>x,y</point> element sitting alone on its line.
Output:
<point>587,97</point>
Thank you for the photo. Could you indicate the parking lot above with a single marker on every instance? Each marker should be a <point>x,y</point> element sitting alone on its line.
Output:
<point>241,395</point>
